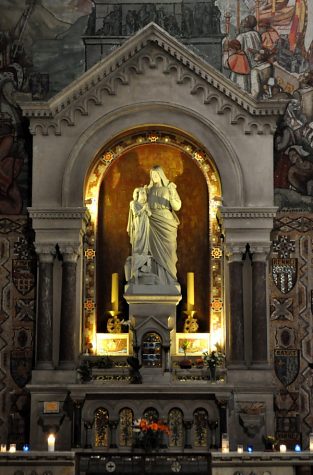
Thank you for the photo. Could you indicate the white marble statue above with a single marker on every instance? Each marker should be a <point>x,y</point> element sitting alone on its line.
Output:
<point>152,228</point>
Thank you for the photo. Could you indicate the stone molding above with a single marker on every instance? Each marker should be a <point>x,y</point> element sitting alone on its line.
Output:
<point>59,213</point>
<point>136,56</point>
<point>248,212</point>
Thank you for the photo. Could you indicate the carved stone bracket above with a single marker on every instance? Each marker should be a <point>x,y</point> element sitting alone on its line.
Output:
<point>251,423</point>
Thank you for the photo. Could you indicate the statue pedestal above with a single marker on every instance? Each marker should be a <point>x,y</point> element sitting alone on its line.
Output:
<point>152,308</point>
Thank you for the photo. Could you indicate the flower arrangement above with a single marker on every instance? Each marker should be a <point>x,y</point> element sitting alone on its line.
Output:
<point>269,442</point>
<point>149,433</point>
<point>214,358</point>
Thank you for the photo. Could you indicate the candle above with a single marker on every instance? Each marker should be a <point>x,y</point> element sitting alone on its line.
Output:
<point>282,448</point>
<point>26,448</point>
<point>3,447</point>
<point>311,442</point>
<point>240,448</point>
<point>51,443</point>
<point>225,443</point>
<point>190,290</point>
<point>114,292</point>
<point>12,448</point>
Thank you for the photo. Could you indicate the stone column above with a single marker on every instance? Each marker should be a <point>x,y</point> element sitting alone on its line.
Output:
<point>68,327</point>
<point>259,309</point>
<point>44,345</point>
<point>236,327</point>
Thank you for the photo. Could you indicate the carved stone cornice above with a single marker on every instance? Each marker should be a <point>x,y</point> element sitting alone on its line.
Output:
<point>249,212</point>
<point>152,48</point>
<point>59,213</point>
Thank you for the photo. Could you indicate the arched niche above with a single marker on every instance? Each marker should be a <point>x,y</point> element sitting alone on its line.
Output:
<point>118,168</point>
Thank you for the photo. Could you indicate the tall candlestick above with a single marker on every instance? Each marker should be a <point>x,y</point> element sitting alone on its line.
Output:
<point>190,290</point>
<point>227,22</point>
<point>257,12</point>
<point>114,292</point>
<point>51,443</point>
<point>238,16</point>
<point>273,7</point>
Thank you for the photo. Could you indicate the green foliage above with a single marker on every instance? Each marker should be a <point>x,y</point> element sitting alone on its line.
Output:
<point>213,358</point>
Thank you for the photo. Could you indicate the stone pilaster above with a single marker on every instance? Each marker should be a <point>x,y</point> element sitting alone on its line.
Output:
<point>236,326</point>
<point>259,307</point>
<point>68,332</point>
<point>44,341</point>
<point>113,429</point>
<point>188,426</point>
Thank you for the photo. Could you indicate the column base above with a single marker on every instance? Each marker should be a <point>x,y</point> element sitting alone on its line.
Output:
<point>42,365</point>
<point>66,365</point>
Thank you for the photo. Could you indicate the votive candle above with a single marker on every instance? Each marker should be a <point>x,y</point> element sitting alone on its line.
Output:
<point>114,292</point>
<point>3,447</point>
<point>240,449</point>
<point>51,443</point>
<point>282,448</point>
<point>12,448</point>
<point>311,442</point>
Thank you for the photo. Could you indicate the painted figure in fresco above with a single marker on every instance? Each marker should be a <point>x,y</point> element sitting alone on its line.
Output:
<point>10,167</point>
<point>270,36</point>
<point>138,230</point>
<point>236,60</point>
<point>152,227</point>
<point>250,39</point>
<point>300,174</point>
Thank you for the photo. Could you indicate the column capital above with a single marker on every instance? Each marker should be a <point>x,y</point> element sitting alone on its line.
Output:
<point>46,252</point>
<point>260,251</point>
<point>234,252</point>
<point>70,251</point>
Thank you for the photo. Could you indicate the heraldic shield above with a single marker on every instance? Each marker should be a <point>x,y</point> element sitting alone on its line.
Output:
<point>284,273</point>
<point>287,365</point>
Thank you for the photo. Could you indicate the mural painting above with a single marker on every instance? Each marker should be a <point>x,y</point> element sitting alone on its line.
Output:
<point>266,48</point>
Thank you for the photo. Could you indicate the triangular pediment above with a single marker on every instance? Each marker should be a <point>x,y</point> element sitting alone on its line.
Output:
<point>109,74</point>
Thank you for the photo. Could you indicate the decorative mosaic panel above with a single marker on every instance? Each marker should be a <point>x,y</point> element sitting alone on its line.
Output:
<point>17,313</point>
<point>291,326</point>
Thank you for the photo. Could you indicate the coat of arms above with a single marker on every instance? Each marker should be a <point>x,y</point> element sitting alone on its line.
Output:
<point>284,272</point>
<point>287,365</point>
<point>21,367</point>
<point>23,275</point>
